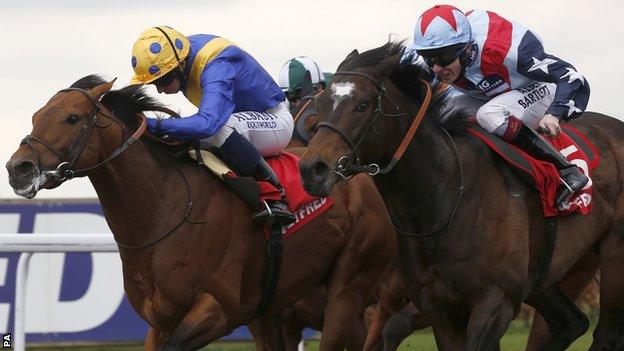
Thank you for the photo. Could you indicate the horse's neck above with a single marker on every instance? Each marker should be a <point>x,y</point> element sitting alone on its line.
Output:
<point>133,188</point>
<point>429,179</point>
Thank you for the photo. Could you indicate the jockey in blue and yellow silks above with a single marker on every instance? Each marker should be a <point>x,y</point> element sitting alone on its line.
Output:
<point>241,110</point>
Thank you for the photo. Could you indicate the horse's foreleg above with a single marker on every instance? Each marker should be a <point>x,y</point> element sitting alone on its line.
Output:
<point>205,323</point>
<point>565,320</point>
<point>153,340</point>
<point>489,319</point>
<point>267,333</point>
<point>609,333</point>
<point>572,284</point>
<point>350,288</point>
<point>292,328</point>
<point>375,329</point>
<point>402,324</point>
<point>449,339</point>
<point>341,318</point>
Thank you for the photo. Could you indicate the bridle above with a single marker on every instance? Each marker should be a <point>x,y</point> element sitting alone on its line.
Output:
<point>349,164</point>
<point>65,169</point>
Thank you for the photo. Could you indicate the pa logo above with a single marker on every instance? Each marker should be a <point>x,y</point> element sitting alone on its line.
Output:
<point>6,341</point>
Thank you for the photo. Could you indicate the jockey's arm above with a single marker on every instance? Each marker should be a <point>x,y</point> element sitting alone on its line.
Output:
<point>216,106</point>
<point>572,93</point>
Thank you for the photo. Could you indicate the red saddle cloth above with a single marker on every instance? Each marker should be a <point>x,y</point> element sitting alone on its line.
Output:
<point>573,145</point>
<point>304,206</point>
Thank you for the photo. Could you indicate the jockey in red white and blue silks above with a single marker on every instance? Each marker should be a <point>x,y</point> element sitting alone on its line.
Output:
<point>503,64</point>
<point>242,111</point>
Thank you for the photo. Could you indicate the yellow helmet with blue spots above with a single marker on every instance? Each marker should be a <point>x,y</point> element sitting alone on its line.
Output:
<point>157,51</point>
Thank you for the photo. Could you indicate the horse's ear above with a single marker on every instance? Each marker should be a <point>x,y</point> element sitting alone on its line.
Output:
<point>352,55</point>
<point>102,89</point>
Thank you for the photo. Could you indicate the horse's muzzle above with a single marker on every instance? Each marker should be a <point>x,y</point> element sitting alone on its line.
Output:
<point>21,172</point>
<point>317,178</point>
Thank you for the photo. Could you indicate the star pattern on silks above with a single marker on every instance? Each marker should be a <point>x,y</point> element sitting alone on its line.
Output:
<point>543,64</point>
<point>573,75</point>
<point>573,108</point>
<point>443,11</point>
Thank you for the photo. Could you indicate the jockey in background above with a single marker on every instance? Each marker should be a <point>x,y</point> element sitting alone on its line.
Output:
<point>291,80</point>
<point>242,111</point>
<point>503,64</point>
<point>300,79</point>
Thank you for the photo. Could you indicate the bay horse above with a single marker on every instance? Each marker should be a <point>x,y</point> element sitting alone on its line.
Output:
<point>193,260</point>
<point>390,303</point>
<point>472,232</point>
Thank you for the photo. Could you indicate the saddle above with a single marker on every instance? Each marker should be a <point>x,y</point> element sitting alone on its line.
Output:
<point>543,175</point>
<point>286,166</point>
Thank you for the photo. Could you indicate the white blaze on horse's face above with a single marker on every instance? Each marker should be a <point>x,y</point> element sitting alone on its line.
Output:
<point>341,91</point>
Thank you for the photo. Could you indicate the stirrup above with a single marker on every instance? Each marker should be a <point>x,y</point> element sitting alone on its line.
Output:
<point>564,195</point>
<point>567,192</point>
<point>270,217</point>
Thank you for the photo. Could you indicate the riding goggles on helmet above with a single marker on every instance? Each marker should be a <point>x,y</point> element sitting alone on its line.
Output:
<point>442,57</point>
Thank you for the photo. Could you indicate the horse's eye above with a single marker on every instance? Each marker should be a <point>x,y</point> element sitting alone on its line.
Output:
<point>72,119</point>
<point>362,106</point>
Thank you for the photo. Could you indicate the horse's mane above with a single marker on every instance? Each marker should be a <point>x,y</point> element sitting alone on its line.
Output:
<point>125,103</point>
<point>374,56</point>
<point>405,76</point>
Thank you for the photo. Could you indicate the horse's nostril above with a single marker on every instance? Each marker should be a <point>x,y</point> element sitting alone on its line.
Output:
<point>320,170</point>
<point>24,168</point>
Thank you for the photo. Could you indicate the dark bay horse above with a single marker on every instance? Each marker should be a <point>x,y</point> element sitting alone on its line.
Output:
<point>193,261</point>
<point>472,231</point>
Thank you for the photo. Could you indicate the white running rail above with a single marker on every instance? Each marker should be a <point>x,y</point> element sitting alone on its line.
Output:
<point>27,244</point>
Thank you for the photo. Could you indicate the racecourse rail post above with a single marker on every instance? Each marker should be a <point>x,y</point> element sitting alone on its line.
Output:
<point>27,244</point>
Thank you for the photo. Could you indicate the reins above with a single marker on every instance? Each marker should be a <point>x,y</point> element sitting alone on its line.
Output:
<point>346,164</point>
<point>64,171</point>
<point>460,194</point>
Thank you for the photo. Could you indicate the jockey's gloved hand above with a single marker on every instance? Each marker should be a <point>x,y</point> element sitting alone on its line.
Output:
<point>153,126</point>
<point>550,125</point>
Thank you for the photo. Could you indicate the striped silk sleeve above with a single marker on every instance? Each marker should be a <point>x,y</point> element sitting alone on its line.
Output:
<point>572,92</point>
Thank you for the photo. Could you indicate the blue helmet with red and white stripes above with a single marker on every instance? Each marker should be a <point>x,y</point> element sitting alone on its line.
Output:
<point>441,26</point>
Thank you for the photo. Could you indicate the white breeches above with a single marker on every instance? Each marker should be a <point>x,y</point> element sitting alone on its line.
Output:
<point>528,104</point>
<point>268,131</point>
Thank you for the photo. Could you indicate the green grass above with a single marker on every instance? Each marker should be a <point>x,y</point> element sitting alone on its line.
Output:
<point>514,340</point>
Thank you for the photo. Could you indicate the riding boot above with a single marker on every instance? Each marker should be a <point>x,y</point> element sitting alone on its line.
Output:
<point>277,209</point>
<point>244,156</point>
<point>534,144</point>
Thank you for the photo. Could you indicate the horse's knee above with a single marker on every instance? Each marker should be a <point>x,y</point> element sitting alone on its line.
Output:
<point>205,322</point>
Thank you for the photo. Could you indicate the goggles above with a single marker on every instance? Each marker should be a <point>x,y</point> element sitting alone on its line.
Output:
<point>166,79</point>
<point>443,57</point>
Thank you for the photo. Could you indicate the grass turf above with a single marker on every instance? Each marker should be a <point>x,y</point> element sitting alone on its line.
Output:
<point>514,340</point>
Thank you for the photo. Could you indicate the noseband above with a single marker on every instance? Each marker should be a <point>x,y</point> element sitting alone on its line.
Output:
<point>349,164</point>
<point>65,169</point>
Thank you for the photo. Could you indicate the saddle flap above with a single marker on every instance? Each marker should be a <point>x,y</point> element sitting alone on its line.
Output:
<point>212,162</point>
